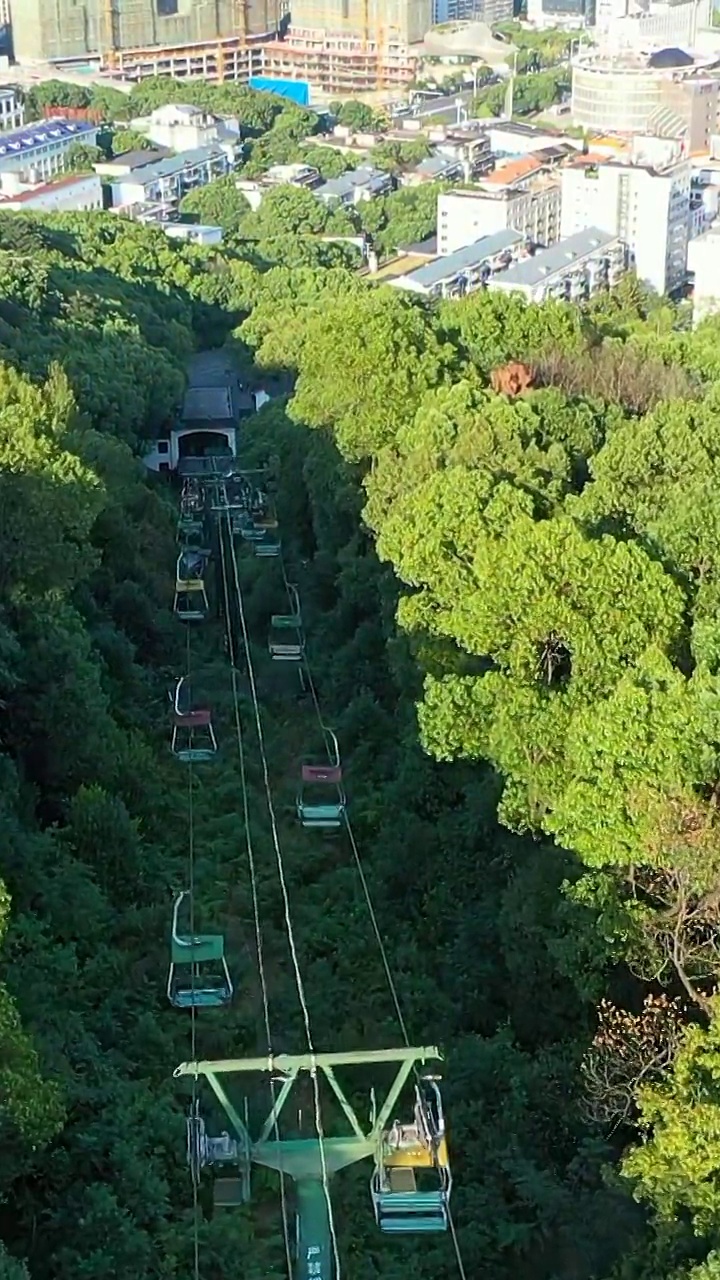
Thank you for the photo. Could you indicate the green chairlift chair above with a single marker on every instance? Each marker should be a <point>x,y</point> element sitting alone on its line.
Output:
<point>198,977</point>
<point>286,642</point>
<point>412,1182</point>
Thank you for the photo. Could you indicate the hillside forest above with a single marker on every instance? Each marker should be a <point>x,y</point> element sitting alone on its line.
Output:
<point>510,596</point>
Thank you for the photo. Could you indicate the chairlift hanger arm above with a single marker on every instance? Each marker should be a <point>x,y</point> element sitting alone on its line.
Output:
<point>287,1063</point>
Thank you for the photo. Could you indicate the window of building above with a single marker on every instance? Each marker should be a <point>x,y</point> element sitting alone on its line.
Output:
<point>163,446</point>
<point>166,8</point>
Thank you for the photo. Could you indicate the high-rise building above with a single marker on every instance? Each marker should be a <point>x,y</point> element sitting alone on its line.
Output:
<point>403,21</point>
<point>457,10</point>
<point>644,199</point>
<point>50,30</point>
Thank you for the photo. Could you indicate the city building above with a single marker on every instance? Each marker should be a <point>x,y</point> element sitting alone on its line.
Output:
<point>53,30</point>
<point>704,264</point>
<point>668,92</point>
<point>452,10</point>
<point>523,196</point>
<point>183,127</point>
<point>405,21</point>
<point>437,168</point>
<point>352,188</point>
<point>75,193</point>
<point>292,175</point>
<point>127,161</point>
<point>170,179</point>
<point>193,232</point>
<point>571,14</point>
<point>646,202</point>
<point>39,149</point>
<point>12,111</point>
<point>573,269</point>
<point>465,270</point>
<point>509,138</point>
<point>650,24</point>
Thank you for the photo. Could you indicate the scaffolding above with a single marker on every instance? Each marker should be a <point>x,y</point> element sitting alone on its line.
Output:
<point>336,65</point>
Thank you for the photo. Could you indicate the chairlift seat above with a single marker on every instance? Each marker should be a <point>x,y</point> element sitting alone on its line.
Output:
<point>285,649</point>
<point>205,994</point>
<point>414,1213</point>
<point>228,1193</point>
<point>270,547</point>
<point>320,817</point>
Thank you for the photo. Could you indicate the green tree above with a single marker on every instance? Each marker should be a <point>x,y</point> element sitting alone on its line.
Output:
<point>218,204</point>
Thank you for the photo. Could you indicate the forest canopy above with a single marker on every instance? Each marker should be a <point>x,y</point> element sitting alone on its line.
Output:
<point>511,608</point>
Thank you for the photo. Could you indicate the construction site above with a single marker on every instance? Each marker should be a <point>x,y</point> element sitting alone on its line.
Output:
<point>340,47</point>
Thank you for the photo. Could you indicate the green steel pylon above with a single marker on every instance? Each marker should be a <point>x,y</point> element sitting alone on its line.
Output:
<point>301,1158</point>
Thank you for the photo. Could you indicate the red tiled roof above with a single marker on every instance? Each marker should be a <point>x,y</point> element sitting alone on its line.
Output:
<point>516,169</point>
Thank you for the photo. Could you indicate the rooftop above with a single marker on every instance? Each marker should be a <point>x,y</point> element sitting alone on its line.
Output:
<point>533,271</point>
<point>207,404</point>
<point>514,171</point>
<point>42,132</point>
<point>423,248</point>
<point>520,130</point>
<point>365,176</point>
<point>436,164</point>
<point>472,255</point>
<point>21,197</point>
<point>137,159</point>
<point>150,173</point>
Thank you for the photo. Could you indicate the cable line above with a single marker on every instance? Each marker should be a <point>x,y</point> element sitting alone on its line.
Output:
<point>193,1023</point>
<point>287,912</point>
<point>371,912</point>
<point>252,870</point>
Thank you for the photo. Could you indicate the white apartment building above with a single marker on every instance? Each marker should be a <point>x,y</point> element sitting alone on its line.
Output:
<point>12,111</point>
<point>521,196</point>
<point>39,149</point>
<point>569,271</point>
<point>76,193</point>
<point>704,262</point>
<point>183,127</point>
<point>647,205</point>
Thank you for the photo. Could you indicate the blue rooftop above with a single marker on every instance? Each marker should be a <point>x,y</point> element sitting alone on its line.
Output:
<point>31,136</point>
<point>473,255</point>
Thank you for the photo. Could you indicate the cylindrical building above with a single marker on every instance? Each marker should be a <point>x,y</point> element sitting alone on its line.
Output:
<point>615,94</point>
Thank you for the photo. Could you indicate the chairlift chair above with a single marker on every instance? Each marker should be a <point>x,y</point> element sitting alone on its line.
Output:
<point>286,642</point>
<point>193,736</point>
<point>321,800</point>
<point>198,977</point>
<point>412,1182</point>
<point>269,545</point>
<point>191,602</point>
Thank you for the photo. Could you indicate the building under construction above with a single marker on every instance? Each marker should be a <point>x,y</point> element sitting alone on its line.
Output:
<point>341,47</point>
<point>59,30</point>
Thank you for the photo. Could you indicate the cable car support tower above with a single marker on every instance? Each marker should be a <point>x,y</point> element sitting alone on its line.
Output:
<point>297,1158</point>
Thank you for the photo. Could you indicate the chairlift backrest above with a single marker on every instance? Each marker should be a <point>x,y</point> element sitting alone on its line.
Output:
<point>322,773</point>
